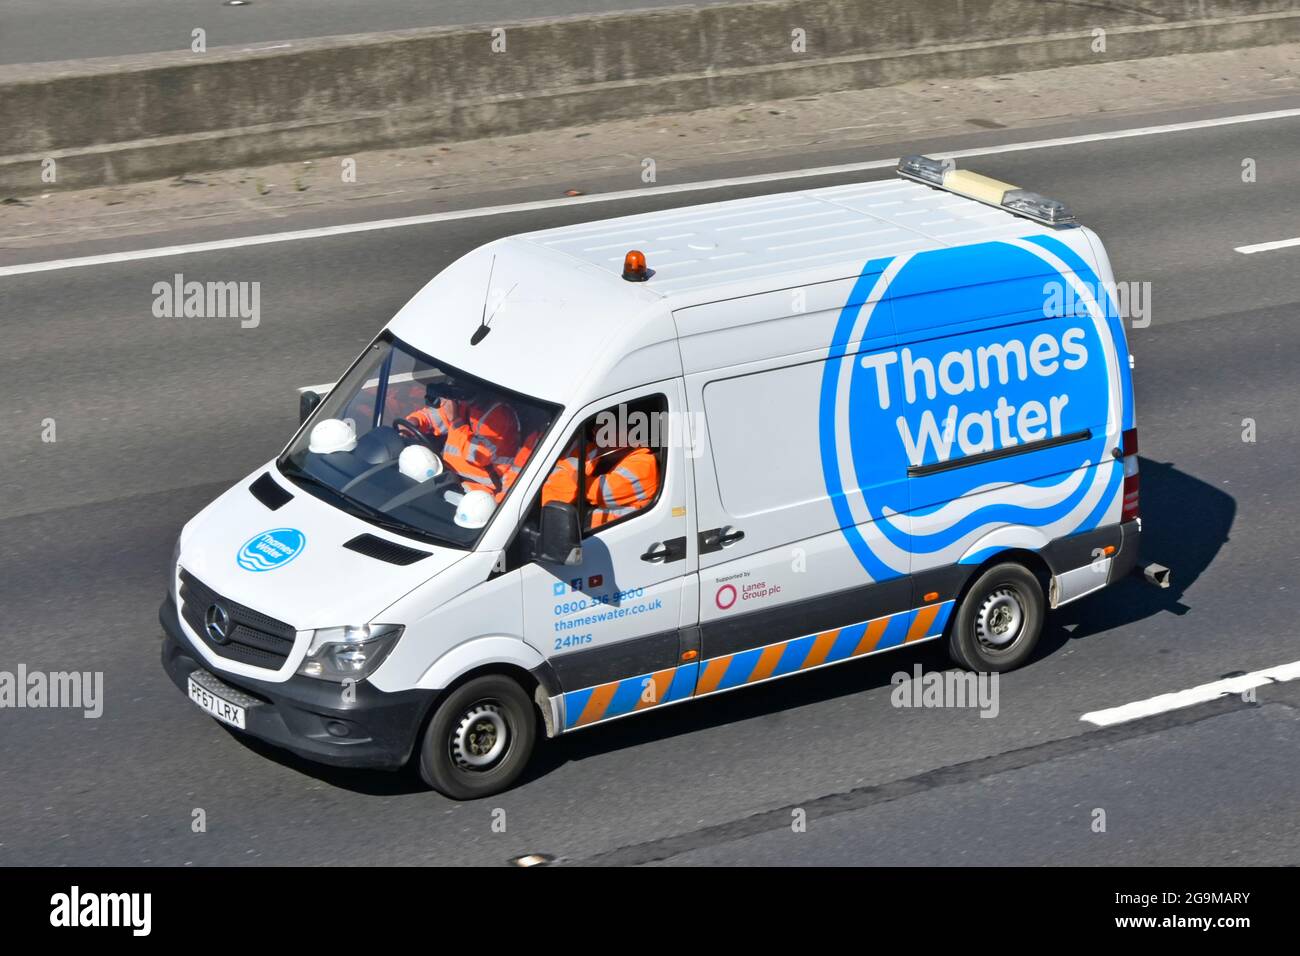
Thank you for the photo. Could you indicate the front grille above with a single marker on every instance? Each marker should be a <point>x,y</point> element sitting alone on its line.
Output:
<point>255,638</point>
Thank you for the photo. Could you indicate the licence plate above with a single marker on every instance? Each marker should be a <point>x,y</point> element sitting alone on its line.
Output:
<point>218,707</point>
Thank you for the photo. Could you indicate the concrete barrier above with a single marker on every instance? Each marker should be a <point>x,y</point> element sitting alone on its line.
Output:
<point>142,117</point>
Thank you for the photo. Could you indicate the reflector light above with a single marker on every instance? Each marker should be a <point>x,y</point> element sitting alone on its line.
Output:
<point>1131,508</point>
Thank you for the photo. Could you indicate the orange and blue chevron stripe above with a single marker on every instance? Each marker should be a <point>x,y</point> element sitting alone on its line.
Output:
<point>644,691</point>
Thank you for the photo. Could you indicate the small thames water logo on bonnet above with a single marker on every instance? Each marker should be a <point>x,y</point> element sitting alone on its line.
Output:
<point>271,549</point>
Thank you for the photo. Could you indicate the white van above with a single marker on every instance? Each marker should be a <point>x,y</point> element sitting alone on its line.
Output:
<point>812,426</point>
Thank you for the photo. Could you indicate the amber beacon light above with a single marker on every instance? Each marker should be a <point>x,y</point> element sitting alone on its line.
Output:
<point>634,267</point>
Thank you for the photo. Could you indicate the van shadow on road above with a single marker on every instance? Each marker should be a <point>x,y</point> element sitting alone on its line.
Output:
<point>1185,522</point>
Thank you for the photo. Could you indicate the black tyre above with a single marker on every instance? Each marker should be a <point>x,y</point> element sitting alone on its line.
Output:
<point>479,738</point>
<point>999,621</point>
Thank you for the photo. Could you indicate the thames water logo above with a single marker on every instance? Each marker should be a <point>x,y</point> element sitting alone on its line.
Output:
<point>897,422</point>
<point>271,549</point>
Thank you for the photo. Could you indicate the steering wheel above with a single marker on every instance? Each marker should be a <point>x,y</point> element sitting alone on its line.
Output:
<point>400,424</point>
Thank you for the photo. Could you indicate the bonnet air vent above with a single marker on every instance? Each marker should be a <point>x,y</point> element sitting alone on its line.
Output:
<point>382,550</point>
<point>268,492</point>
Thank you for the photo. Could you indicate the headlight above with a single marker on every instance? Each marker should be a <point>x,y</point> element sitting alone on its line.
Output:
<point>343,653</point>
<point>171,569</point>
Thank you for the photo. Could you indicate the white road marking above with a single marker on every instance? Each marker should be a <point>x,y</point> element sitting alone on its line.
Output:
<point>1193,695</point>
<point>649,191</point>
<point>1268,246</point>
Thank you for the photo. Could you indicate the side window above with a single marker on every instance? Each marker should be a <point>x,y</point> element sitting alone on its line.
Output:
<point>613,466</point>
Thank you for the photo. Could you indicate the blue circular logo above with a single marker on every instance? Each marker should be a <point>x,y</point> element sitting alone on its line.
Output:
<point>913,434</point>
<point>271,549</point>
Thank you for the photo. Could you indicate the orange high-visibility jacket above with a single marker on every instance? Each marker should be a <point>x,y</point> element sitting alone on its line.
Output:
<point>562,483</point>
<point>481,442</point>
<point>440,420</point>
<point>628,481</point>
<point>511,474</point>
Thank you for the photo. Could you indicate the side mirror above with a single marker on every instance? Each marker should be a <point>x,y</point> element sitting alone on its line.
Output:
<point>307,402</point>
<point>560,541</point>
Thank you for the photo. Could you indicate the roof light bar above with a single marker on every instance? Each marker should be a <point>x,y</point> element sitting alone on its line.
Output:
<point>943,174</point>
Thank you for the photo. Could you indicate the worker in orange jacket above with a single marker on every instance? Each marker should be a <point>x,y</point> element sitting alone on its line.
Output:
<point>482,442</point>
<point>619,481</point>
<point>626,482</point>
<point>562,483</point>
<point>511,473</point>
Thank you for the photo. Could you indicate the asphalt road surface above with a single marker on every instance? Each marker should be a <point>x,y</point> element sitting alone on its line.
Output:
<point>155,417</point>
<point>32,31</point>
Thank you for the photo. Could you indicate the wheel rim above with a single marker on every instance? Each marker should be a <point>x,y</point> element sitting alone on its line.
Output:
<point>480,737</point>
<point>1001,618</point>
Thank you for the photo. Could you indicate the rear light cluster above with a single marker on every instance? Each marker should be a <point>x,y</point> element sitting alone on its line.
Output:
<point>1130,450</point>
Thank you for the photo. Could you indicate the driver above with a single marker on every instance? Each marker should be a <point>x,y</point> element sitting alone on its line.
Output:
<point>482,439</point>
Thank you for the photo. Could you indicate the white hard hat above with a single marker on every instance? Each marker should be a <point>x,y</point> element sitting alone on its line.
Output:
<point>333,434</point>
<point>475,509</point>
<point>419,463</point>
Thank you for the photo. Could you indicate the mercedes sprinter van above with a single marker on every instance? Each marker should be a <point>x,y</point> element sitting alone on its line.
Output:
<point>597,470</point>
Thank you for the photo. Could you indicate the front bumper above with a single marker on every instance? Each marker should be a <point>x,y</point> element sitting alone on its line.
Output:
<point>310,717</point>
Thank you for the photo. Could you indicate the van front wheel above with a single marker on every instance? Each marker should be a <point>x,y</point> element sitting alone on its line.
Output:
<point>999,620</point>
<point>479,738</point>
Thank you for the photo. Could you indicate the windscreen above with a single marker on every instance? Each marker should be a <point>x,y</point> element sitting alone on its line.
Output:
<point>416,446</point>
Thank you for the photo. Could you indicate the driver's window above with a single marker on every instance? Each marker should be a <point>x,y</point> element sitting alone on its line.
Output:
<point>612,467</point>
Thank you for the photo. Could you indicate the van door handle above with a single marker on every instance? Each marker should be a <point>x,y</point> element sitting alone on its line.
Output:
<point>674,549</point>
<point>715,539</point>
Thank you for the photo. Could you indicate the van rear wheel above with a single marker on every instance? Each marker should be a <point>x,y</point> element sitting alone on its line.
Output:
<point>479,738</point>
<point>999,621</point>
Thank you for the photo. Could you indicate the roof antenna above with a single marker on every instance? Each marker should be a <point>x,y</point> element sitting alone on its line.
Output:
<point>481,332</point>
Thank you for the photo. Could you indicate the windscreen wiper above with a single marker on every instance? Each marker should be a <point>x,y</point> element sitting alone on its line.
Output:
<point>294,473</point>
<point>368,513</point>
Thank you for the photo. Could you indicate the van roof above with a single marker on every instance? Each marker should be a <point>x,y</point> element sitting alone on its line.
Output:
<point>557,300</point>
<point>720,250</point>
